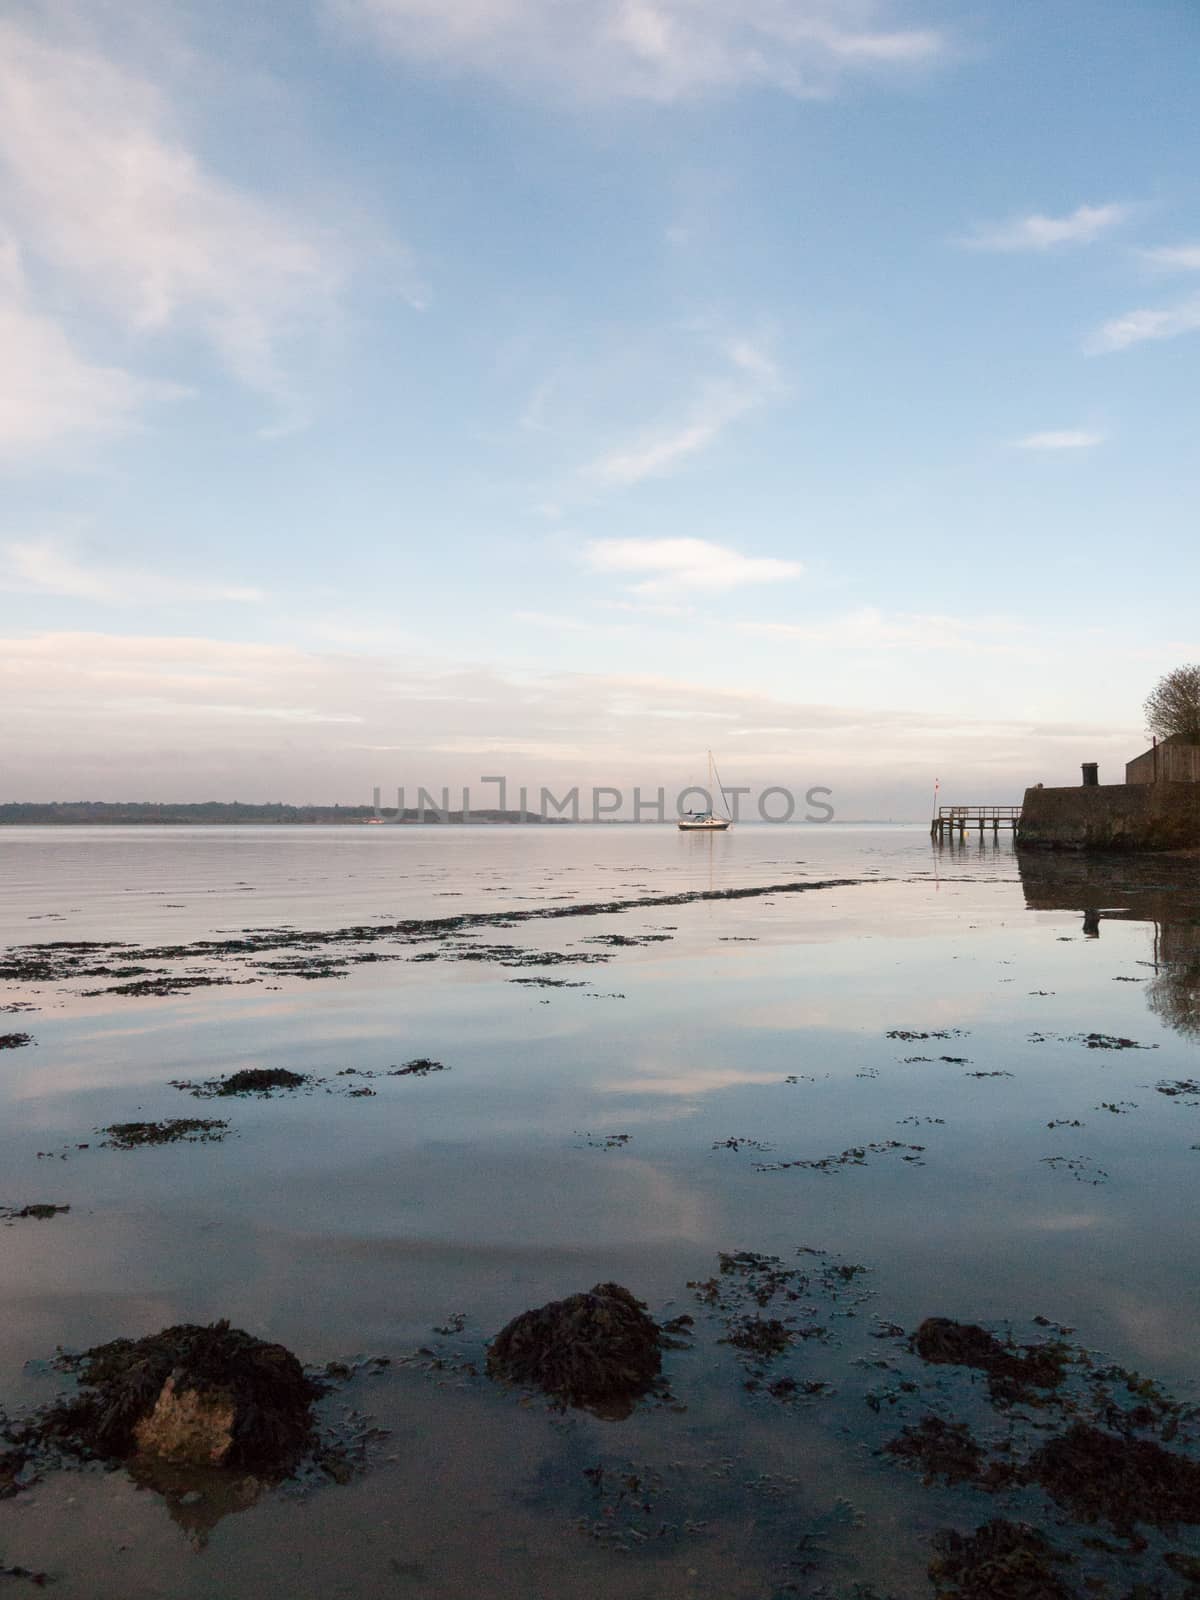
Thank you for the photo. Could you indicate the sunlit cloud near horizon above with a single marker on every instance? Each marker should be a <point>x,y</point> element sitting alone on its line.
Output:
<point>396,392</point>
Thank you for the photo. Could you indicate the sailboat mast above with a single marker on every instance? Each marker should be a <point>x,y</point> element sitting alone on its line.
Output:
<point>712,772</point>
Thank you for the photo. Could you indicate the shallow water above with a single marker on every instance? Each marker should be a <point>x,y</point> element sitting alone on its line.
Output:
<point>343,1225</point>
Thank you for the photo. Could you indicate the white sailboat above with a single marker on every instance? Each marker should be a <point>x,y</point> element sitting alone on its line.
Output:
<point>708,821</point>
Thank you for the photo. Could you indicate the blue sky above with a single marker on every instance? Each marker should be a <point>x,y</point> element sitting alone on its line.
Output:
<point>397,391</point>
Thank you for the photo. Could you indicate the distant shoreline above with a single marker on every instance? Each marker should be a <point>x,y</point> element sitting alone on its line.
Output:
<point>229,813</point>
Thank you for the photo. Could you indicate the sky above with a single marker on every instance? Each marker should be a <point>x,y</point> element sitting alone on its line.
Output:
<point>401,391</point>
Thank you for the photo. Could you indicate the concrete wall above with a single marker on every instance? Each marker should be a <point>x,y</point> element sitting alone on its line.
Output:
<point>1170,762</point>
<point>1112,816</point>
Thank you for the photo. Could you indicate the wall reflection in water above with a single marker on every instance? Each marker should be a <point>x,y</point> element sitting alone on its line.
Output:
<point>1161,890</point>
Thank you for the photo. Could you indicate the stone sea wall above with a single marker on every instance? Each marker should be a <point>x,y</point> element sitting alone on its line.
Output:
<point>1113,816</point>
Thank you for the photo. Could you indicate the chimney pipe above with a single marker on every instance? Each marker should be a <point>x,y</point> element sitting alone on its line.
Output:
<point>1091,774</point>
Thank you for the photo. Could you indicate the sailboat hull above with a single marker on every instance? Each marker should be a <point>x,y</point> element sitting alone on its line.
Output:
<point>703,825</point>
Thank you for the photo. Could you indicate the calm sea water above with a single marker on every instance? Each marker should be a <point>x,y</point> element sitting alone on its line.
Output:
<point>1062,1184</point>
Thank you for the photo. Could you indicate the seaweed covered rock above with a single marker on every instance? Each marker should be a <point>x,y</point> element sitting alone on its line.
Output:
<point>191,1395</point>
<point>590,1349</point>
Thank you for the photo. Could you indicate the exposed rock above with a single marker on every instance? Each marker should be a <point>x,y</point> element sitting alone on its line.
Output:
<point>588,1349</point>
<point>191,1395</point>
<point>191,1427</point>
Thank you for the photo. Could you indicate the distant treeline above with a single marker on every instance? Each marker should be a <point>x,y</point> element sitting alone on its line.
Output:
<point>216,812</point>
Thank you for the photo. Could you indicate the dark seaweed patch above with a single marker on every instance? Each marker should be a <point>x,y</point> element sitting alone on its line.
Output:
<point>139,1135</point>
<point>1082,1168</point>
<point>999,1561</point>
<point>855,1156</point>
<point>1105,1476</point>
<point>39,1212</point>
<point>1111,1041</point>
<point>38,1579</point>
<point>511,955</point>
<point>1013,1372</point>
<point>910,1034</point>
<point>551,983</point>
<point>940,1449</point>
<point>1188,1567</point>
<point>250,1080</point>
<point>762,1337</point>
<point>67,960</point>
<point>603,1141</point>
<point>418,1067</point>
<point>14,1041</point>
<point>175,983</point>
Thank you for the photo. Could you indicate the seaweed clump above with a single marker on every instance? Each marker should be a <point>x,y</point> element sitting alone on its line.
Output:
<point>14,1041</point>
<point>1100,1475</point>
<point>999,1561</point>
<point>190,1395</point>
<point>191,1130</point>
<point>764,1337</point>
<point>1011,1371</point>
<point>260,1080</point>
<point>418,1067</point>
<point>250,1080</point>
<point>597,1348</point>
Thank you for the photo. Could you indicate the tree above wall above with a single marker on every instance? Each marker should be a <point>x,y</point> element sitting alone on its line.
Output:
<point>1173,705</point>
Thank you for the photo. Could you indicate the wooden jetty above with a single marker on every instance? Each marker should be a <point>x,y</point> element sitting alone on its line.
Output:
<point>950,819</point>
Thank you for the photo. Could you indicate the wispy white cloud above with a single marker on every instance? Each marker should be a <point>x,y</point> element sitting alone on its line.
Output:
<point>659,50</point>
<point>1061,439</point>
<point>1036,232</point>
<point>685,564</point>
<point>563,622</point>
<point>652,608</point>
<point>46,566</point>
<point>48,388</point>
<point>108,198</point>
<point>1148,323</point>
<point>1173,257</point>
<point>750,380</point>
<point>48,391</point>
<point>869,628</point>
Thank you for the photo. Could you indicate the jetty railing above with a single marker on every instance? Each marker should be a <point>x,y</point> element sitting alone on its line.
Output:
<point>961,817</point>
